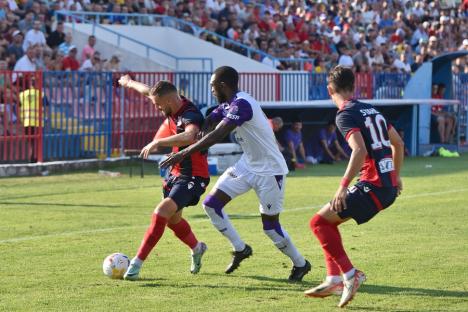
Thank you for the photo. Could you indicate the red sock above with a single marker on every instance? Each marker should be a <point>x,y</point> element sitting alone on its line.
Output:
<point>183,231</point>
<point>152,235</point>
<point>330,239</point>
<point>332,268</point>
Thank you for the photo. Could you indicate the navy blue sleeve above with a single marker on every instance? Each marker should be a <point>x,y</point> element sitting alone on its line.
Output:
<point>192,117</point>
<point>239,112</point>
<point>347,124</point>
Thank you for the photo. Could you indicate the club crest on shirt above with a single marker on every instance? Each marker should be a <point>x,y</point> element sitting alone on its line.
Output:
<point>190,185</point>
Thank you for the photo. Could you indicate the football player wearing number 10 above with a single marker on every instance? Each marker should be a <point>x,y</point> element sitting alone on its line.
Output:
<point>377,151</point>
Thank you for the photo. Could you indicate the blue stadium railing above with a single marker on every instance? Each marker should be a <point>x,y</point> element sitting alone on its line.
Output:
<point>206,63</point>
<point>169,21</point>
<point>87,115</point>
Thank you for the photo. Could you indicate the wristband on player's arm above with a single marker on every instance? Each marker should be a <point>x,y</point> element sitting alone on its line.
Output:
<point>345,182</point>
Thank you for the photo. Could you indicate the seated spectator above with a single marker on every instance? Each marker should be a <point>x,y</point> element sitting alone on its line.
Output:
<point>34,36</point>
<point>294,145</point>
<point>27,63</point>
<point>70,62</point>
<point>16,47</point>
<point>64,47</point>
<point>276,124</point>
<point>113,65</point>
<point>57,37</point>
<point>92,64</point>
<point>438,116</point>
<point>325,147</point>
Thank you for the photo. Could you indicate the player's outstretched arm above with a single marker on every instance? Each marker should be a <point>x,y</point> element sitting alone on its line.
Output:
<point>398,154</point>
<point>356,161</point>
<point>127,82</point>
<point>182,139</point>
<point>219,133</point>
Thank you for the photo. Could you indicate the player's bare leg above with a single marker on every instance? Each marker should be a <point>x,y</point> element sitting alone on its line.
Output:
<point>183,231</point>
<point>325,227</point>
<point>213,205</point>
<point>281,239</point>
<point>163,212</point>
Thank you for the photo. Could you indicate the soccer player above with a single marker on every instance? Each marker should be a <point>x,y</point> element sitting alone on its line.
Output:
<point>377,151</point>
<point>188,179</point>
<point>261,167</point>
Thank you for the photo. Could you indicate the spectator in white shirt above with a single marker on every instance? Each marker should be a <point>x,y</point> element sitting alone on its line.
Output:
<point>27,63</point>
<point>401,64</point>
<point>345,59</point>
<point>34,36</point>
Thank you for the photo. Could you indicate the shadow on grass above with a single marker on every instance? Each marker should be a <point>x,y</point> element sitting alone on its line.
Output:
<point>58,205</point>
<point>420,292</point>
<point>219,286</point>
<point>231,216</point>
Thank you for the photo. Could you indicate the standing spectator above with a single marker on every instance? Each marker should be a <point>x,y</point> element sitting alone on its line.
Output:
<point>57,37</point>
<point>34,36</point>
<point>70,62</point>
<point>294,144</point>
<point>88,49</point>
<point>64,47</point>
<point>30,105</point>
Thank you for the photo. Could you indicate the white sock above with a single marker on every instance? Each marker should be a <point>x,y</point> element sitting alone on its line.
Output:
<point>224,225</point>
<point>286,246</point>
<point>137,261</point>
<point>349,275</point>
<point>333,279</point>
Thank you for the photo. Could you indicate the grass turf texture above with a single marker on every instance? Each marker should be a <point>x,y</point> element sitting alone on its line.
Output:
<point>55,232</point>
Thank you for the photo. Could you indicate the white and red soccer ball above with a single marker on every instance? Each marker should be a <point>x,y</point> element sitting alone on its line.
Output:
<point>115,265</point>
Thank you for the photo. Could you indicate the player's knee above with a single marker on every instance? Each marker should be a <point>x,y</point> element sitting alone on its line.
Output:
<point>167,208</point>
<point>212,204</point>
<point>315,222</point>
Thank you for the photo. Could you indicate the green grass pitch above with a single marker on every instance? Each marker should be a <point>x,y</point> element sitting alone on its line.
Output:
<point>55,232</point>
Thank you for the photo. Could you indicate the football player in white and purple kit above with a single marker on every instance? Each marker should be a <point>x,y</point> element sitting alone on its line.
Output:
<point>261,167</point>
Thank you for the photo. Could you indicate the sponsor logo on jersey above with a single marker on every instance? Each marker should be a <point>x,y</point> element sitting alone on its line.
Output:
<point>352,189</point>
<point>367,189</point>
<point>232,174</point>
<point>386,165</point>
<point>232,116</point>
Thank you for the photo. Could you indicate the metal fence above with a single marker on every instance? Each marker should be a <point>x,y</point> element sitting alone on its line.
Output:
<point>48,116</point>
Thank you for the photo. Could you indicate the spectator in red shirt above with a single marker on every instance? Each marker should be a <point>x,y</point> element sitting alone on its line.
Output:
<point>70,62</point>
<point>291,33</point>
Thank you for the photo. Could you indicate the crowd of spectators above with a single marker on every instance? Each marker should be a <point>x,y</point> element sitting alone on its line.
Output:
<point>32,39</point>
<point>389,36</point>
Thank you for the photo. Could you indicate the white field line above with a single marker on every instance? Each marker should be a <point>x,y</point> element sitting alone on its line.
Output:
<point>112,229</point>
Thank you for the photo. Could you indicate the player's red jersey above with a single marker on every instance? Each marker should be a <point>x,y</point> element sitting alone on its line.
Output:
<point>378,167</point>
<point>197,164</point>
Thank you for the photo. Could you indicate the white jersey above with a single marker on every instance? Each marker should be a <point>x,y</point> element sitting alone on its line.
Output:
<point>254,134</point>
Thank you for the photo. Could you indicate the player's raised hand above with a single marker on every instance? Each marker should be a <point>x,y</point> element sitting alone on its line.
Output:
<point>148,149</point>
<point>124,80</point>
<point>172,159</point>
<point>338,203</point>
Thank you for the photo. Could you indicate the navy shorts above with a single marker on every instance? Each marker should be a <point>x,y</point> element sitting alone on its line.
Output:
<point>184,191</point>
<point>365,200</point>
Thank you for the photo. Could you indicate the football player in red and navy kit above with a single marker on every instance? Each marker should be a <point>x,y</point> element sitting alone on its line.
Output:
<point>188,179</point>
<point>377,152</point>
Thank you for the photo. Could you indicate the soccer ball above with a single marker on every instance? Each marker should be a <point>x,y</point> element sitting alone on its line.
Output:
<point>115,265</point>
